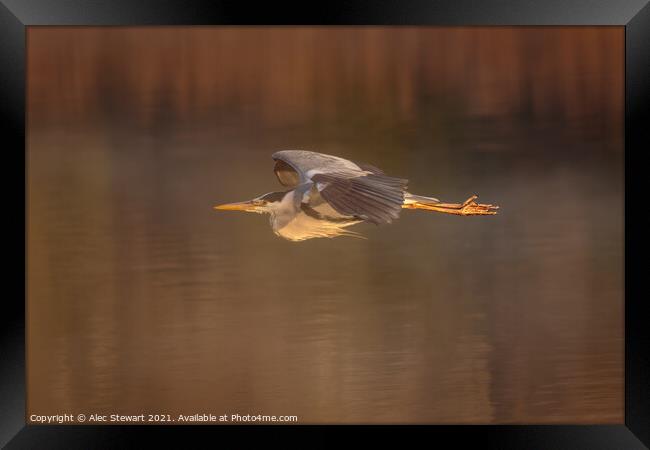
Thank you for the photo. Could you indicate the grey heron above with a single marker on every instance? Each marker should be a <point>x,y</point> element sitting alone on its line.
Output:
<point>327,194</point>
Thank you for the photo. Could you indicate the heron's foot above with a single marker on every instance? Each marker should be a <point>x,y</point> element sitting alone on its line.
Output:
<point>470,208</point>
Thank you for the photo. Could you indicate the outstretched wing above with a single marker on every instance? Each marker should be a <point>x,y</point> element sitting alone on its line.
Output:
<point>350,189</point>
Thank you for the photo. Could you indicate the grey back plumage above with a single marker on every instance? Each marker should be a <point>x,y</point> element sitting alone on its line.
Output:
<point>354,190</point>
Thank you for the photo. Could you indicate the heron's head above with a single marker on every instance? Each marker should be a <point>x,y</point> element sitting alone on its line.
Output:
<point>267,203</point>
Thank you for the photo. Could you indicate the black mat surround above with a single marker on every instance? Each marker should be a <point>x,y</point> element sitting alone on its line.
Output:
<point>15,15</point>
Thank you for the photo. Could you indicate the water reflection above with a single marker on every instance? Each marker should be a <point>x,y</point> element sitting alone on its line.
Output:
<point>142,299</point>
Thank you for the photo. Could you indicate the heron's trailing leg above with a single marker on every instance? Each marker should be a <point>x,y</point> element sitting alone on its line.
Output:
<point>468,208</point>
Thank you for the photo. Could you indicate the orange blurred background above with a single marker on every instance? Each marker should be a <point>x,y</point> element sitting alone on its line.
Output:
<point>142,299</point>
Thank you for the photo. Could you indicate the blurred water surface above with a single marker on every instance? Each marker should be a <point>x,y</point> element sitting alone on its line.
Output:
<point>142,299</point>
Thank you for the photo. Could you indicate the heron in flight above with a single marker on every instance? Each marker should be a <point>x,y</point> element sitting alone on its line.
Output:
<point>326,194</point>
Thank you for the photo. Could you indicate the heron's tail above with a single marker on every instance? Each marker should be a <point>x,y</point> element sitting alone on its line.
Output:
<point>468,208</point>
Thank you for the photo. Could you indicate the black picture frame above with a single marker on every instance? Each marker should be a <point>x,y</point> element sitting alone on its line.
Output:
<point>634,15</point>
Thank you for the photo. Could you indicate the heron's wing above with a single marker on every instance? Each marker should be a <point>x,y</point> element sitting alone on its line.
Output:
<point>287,175</point>
<point>376,198</point>
<point>361,191</point>
<point>294,167</point>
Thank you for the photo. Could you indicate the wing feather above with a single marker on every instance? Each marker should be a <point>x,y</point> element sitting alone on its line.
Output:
<point>370,197</point>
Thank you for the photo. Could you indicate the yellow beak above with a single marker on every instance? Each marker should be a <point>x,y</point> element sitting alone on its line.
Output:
<point>239,206</point>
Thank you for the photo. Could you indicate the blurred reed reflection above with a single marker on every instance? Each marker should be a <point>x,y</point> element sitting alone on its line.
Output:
<point>141,299</point>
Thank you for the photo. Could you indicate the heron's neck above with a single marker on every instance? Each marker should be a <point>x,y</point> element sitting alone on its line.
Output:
<point>284,211</point>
